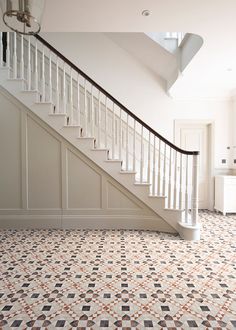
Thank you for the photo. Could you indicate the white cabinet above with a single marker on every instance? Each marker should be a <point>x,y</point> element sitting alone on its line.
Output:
<point>225,193</point>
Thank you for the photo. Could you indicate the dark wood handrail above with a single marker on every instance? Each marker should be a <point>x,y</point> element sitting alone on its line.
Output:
<point>103,91</point>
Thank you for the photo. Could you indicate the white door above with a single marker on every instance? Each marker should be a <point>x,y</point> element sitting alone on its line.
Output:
<point>194,137</point>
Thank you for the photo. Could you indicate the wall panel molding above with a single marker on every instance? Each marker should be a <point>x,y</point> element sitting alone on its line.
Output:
<point>62,188</point>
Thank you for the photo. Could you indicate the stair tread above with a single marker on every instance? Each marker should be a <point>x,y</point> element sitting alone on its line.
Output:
<point>99,149</point>
<point>85,137</point>
<point>142,183</point>
<point>128,172</point>
<point>157,196</point>
<point>114,160</point>
<point>71,126</point>
<point>175,210</point>
<point>57,114</point>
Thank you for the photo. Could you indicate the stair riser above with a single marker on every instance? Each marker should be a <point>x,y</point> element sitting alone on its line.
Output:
<point>70,132</point>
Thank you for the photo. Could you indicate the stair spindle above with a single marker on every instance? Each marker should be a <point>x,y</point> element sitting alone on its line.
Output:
<point>36,76</point>
<point>85,110</point>
<point>57,88</point>
<point>92,113</point>
<point>154,168</point>
<point>175,180</point>
<point>159,170</point>
<point>120,135</point>
<point>14,57</point>
<point>22,65</point>
<point>186,191</point>
<point>127,142</point>
<point>29,65</point>
<point>43,76</point>
<point>8,51</point>
<point>105,124</point>
<point>64,89</point>
<point>99,119</point>
<point>141,156</point>
<point>180,182</point>
<point>170,183</point>
<point>134,146</point>
<point>113,132</point>
<point>71,117</point>
<point>149,157</point>
<point>50,77</point>
<point>164,173</point>
<point>78,102</point>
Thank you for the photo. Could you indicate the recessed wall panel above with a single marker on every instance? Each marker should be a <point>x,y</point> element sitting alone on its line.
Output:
<point>84,184</point>
<point>44,168</point>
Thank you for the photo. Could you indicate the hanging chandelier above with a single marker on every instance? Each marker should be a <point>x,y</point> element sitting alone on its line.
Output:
<point>23,16</point>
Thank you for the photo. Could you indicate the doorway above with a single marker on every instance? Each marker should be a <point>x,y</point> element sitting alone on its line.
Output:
<point>197,135</point>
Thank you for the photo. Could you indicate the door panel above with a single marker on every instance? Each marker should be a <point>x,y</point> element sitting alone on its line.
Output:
<point>195,137</point>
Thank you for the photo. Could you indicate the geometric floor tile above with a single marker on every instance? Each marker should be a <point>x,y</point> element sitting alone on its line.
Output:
<point>119,279</point>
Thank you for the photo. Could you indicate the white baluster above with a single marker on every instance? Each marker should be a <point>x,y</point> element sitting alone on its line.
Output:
<point>164,173</point>
<point>43,76</point>
<point>134,146</point>
<point>159,170</point>
<point>120,135</point>
<point>14,57</point>
<point>78,102</point>
<point>180,182</point>
<point>1,49</point>
<point>105,123</point>
<point>99,119</point>
<point>64,89</point>
<point>154,168</point>
<point>22,65</point>
<point>141,156</point>
<point>113,132</point>
<point>127,143</point>
<point>36,66</point>
<point>175,180</point>
<point>170,175</point>
<point>194,202</point>
<point>8,51</point>
<point>71,120</point>
<point>85,110</point>
<point>186,191</point>
<point>57,88</point>
<point>92,113</point>
<point>50,77</point>
<point>149,157</point>
<point>29,65</point>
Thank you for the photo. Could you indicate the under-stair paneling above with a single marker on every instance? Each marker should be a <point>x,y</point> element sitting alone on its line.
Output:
<point>44,168</point>
<point>84,184</point>
<point>117,199</point>
<point>10,156</point>
<point>46,182</point>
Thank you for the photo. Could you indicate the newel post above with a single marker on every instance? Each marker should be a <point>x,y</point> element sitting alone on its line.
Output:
<point>194,202</point>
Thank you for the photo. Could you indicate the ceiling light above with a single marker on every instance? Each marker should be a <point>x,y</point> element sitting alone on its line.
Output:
<point>146,12</point>
<point>22,16</point>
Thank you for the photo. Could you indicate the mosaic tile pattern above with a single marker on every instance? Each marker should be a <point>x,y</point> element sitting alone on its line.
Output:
<point>115,279</point>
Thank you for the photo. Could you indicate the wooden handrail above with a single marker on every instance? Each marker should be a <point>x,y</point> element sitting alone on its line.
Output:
<point>103,91</point>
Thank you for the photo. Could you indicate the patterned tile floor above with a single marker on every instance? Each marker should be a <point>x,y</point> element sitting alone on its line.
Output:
<point>115,279</point>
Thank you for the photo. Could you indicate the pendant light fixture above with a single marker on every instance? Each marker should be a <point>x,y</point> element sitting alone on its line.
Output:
<point>22,16</point>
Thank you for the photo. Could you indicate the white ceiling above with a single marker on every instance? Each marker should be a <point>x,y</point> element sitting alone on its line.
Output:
<point>214,20</point>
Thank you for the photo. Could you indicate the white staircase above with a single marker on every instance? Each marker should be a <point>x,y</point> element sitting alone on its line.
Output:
<point>161,175</point>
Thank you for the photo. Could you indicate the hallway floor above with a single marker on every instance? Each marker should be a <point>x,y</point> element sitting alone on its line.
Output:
<point>114,279</point>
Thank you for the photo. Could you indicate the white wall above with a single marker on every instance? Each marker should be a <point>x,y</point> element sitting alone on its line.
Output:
<point>46,182</point>
<point>141,90</point>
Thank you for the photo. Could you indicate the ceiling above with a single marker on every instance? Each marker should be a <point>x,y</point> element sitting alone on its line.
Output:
<point>214,20</point>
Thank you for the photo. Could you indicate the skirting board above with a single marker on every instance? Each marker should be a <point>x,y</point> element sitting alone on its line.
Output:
<point>83,222</point>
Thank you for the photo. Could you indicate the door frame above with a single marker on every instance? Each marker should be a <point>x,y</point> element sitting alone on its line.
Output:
<point>211,151</point>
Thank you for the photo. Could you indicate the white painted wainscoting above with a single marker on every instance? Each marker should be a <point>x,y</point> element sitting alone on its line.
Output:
<point>47,183</point>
